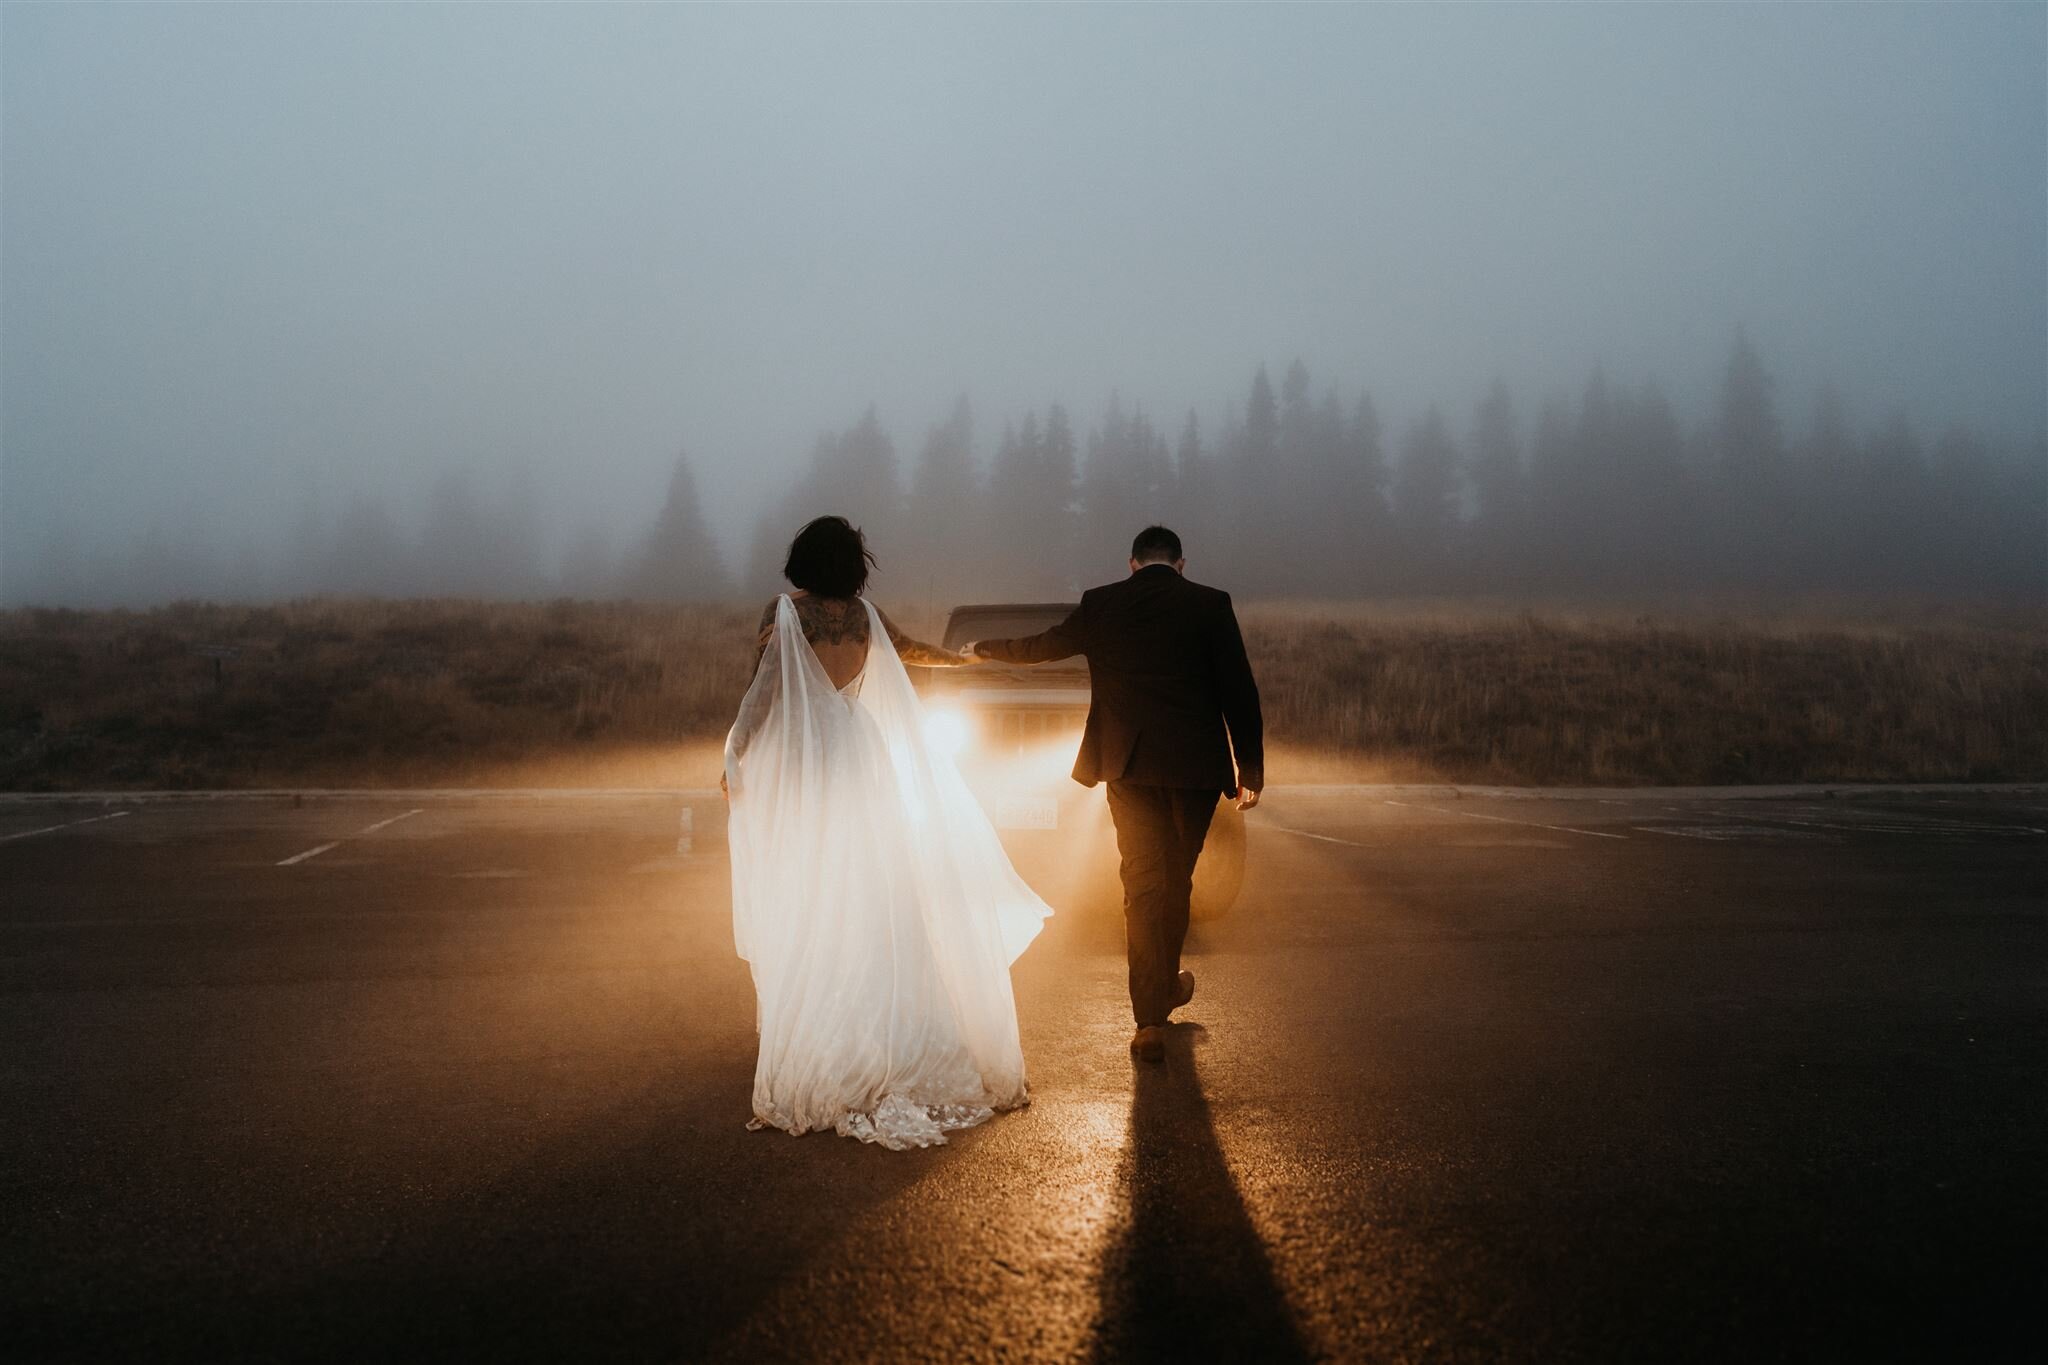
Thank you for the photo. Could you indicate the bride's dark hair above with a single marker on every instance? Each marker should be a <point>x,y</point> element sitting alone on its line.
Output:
<point>829,558</point>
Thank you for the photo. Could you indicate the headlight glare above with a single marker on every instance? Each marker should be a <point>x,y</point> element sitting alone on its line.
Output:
<point>947,732</point>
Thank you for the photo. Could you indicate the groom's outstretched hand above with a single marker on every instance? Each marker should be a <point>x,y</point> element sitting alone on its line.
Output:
<point>1247,797</point>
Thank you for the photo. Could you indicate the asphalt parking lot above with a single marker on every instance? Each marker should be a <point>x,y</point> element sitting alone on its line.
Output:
<point>1469,1074</point>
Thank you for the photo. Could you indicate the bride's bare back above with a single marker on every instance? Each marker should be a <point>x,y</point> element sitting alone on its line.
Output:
<point>868,885</point>
<point>837,629</point>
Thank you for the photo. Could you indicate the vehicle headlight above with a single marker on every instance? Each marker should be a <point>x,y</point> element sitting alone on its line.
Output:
<point>947,732</point>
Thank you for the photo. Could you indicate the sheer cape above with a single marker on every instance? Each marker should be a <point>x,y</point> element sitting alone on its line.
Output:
<point>874,903</point>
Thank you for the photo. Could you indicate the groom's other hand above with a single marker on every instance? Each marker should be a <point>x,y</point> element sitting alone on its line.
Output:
<point>972,650</point>
<point>1247,797</point>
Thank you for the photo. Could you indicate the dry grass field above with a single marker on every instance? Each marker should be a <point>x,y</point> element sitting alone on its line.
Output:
<point>1689,693</point>
<point>349,692</point>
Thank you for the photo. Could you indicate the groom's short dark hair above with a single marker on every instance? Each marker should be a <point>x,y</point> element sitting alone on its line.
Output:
<point>1156,545</point>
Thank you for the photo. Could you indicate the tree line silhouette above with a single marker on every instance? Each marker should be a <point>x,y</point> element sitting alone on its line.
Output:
<point>1304,494</point>
<point>1300,492</point>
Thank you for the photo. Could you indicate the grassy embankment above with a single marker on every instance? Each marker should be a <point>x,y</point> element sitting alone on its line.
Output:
<point>338,692</point>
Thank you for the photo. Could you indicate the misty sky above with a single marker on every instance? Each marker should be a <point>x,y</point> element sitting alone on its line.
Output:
<point>249,250</point>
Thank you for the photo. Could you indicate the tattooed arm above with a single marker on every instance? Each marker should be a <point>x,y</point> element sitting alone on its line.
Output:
<point>749,719</point>
<point>917,653</point>
<point>766,632</point>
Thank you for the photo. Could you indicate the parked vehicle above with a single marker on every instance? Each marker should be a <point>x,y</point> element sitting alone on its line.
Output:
<point>1014,730</point>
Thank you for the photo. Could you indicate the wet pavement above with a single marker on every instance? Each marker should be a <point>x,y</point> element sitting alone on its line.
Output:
<point>1468,1075</point>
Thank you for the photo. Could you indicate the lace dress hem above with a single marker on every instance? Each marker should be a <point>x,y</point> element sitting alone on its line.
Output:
<point>898,1123</point>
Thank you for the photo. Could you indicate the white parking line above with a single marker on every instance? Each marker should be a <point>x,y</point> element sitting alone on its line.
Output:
<point>367,829</point>
<point>1502,819</point>
<point>68,824</point>
<point>372,829</point>
<point>1326,838</point>
<point>1894,822</point>
<point>1717,833</point>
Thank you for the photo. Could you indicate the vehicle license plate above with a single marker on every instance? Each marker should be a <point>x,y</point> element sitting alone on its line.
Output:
<point>1028,812</point>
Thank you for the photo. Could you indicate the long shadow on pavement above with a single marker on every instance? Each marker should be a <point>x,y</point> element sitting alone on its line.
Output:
<point>1187,1277</point>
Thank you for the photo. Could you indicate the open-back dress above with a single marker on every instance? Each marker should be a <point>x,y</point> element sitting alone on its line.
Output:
<point>874,903</point>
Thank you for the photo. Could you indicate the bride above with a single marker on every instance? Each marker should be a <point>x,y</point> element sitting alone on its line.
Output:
<point>870,894</point>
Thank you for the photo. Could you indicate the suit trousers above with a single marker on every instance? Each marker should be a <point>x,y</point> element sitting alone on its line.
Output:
<point>1159,834</point>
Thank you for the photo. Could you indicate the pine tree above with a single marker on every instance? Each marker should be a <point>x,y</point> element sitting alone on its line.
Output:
<point>1964,550</point>
<point>1556,555</point>
<point>676,560</point>
<point>1003,535</point>
<point>1124,487</point>
<point>863,485</point>
<point>1053,510</point>
<point>1895,498</point>
<point>1595,507</point>
<point>808,497</point>
<point>1187,507</point>
<point>1499,487</point>
<point>1029,511</point>
<point>1649,539</point>
<point>1294,512</point>
<point>1256,487</point>
<point>942,550</point>
<point>1823,488</point>
<point>1756,535</point>
<point>1750,444</point>
<point>1296,517</point>
<point>1261,422</point>
<point>1363,499</point>
<point>1426,501</point>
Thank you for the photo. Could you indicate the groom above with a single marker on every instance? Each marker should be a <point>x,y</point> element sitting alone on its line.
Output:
<point>1169,673</point>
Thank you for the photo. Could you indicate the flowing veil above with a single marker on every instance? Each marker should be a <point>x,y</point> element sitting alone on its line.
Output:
<point>874,904</point>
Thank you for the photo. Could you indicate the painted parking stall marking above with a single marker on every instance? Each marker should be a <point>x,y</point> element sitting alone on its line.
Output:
<point>1310,834</point>
<point>68,824</point>
<point>1505,820</point>
<point>1732,833</point>
<point>372,829</point>
<point>1888,822</point>
<point>1828,824</point>
<point>367,829</point>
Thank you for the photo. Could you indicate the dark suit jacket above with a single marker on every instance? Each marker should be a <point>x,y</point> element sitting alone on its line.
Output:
<point>1169,672</point>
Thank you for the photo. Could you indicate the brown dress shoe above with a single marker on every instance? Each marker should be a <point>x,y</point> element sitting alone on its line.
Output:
<point>1183,989</point>
<point>1148,1044</point>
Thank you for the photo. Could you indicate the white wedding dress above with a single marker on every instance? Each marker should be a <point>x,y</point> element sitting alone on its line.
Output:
<point>874,903</point>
